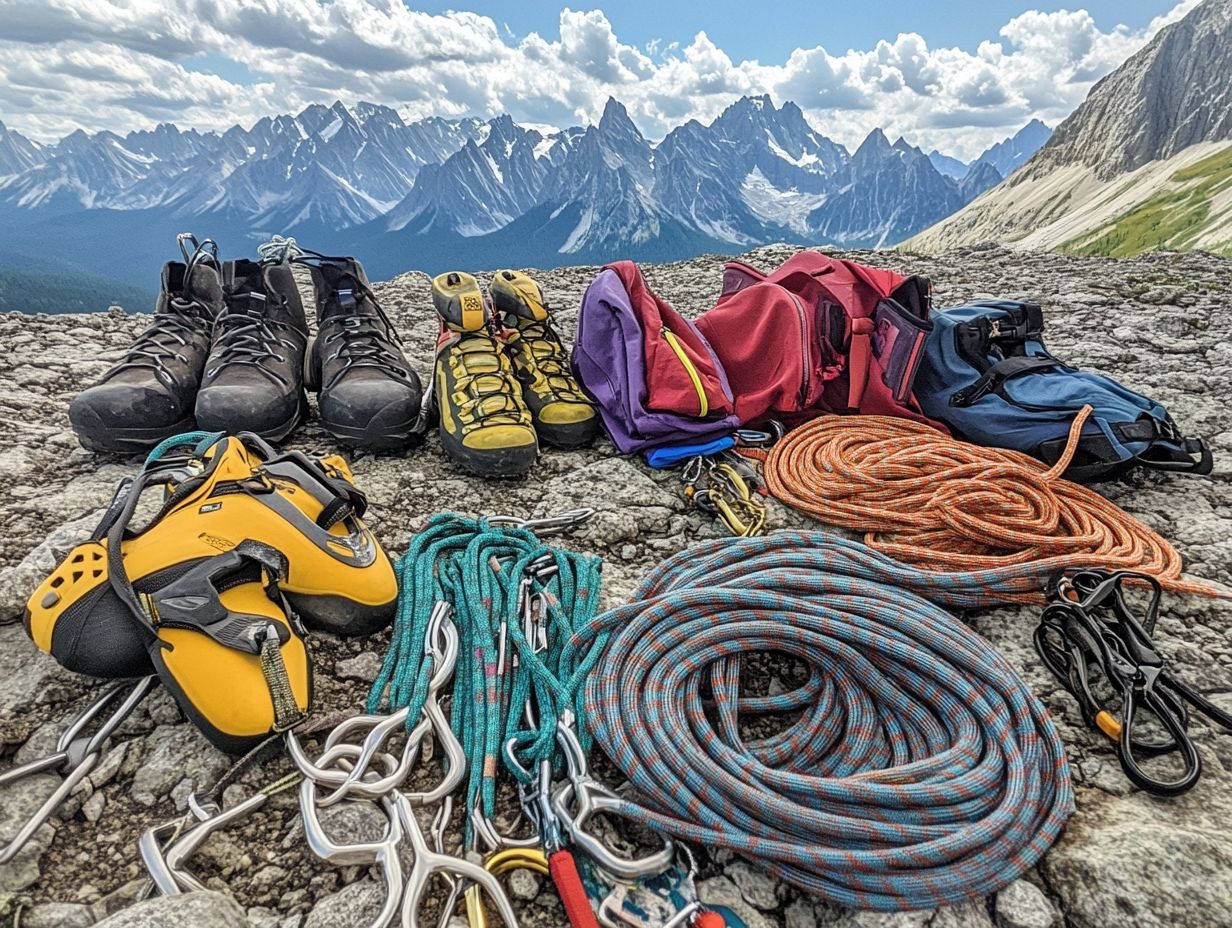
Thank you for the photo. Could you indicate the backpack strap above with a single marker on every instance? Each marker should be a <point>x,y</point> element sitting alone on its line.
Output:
<point>859,357</point>
<point>998,374</point>
<point>1166,448</point>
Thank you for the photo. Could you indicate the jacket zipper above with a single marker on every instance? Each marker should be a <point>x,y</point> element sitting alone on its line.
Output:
<point>804,352</point>
<point>703,402</point>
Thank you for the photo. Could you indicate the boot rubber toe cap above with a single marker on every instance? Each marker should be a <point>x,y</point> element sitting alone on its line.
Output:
<point>227,408</point>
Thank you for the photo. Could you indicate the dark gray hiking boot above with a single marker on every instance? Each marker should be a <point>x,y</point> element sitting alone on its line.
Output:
<point>254,378</point>
<point>149,395</point>
<point>369,396</point>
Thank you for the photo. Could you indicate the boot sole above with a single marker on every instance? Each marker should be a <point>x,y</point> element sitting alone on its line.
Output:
<point>389,439</point>
<point>102,439</point>
<point>504,463</point>
<point>279,432</point>
<point>274,433</point>
<point>568,437</point>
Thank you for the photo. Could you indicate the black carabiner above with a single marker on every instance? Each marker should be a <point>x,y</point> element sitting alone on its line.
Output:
<point>1088,628</point>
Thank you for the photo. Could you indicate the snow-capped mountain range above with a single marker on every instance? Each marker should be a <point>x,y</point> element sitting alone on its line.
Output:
<point>437,192</point>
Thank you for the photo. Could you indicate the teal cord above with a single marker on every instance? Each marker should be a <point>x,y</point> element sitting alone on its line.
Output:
<point>478,569</point>
<point>201,442</point>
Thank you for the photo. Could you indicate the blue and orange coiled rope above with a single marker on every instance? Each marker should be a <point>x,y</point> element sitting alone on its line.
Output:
<point>916,768</point>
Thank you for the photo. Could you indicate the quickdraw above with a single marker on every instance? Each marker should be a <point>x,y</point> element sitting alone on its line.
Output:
<point>516,701</point>
<point>1095,643</point>
<point>726,485</point>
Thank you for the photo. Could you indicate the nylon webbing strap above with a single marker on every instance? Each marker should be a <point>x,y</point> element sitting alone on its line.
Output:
<point>916,769</point>
<point>998,374</point>
<point>287,713</point>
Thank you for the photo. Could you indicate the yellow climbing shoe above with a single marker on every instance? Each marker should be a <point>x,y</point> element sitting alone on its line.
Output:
<point>222,494</point>
<point>230,650</point>
<point>562,415</point>
<point>485,425</point>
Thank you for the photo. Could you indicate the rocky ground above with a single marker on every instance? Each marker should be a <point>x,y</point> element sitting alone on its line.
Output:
<point>1159,322</point>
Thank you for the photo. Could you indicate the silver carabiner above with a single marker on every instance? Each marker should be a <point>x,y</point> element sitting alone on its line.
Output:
<point>646,904</point>
<point>485,830</point>
<point>442,644</point>
<point>546,525</point>
<point>593,798</point>
<point>176,856</point>
<point>150,845</point>
<point>429,863</point>
<point>383,853</point>
<point>75,756</point>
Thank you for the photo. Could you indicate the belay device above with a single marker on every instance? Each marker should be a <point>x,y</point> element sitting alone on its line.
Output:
<point>986,373</point>
<point>210,591</point>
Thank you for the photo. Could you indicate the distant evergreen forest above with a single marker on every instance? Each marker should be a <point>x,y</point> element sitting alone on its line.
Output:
<point>28,291</point>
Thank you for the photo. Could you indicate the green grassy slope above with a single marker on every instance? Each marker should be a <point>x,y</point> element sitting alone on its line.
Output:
<point>1171,220</point>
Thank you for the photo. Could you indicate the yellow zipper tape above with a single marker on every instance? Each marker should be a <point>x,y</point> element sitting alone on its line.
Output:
<point>702,402</point>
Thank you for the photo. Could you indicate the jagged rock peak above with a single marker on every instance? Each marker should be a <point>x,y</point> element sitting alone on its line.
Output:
<point>1173,93</point>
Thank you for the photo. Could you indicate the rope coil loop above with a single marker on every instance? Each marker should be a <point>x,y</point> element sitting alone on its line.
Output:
<point>932,501</point>
<point>917,769</point>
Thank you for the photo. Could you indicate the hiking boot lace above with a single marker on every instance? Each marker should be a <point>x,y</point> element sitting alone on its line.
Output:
<point>548,353</point>
<point>367,341</point>
<point>251,339</point>
<point>171,330</point>
<point>162,339</point>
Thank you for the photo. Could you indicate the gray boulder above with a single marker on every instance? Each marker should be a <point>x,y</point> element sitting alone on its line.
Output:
<point>199,910</point>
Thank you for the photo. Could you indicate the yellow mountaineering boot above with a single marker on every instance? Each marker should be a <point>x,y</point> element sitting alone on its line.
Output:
<point>485,426</point>
<point>562,414</point>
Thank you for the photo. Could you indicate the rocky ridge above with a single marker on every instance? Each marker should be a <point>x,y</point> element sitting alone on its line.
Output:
<point>1143,164</point>
<point>1172,94</point>
<point>1158,322</point>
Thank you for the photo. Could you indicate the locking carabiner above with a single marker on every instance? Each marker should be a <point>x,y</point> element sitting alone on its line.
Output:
<point>593,798</point>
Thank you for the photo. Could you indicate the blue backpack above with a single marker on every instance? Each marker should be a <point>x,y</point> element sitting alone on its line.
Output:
<point>986,374</point>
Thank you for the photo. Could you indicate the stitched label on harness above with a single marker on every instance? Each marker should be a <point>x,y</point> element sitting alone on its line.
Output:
<point>222,544</point>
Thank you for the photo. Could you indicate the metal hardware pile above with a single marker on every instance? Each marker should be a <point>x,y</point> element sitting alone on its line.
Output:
<point>913,768</point>
<point>512,606</point>
<point>1101,648</point>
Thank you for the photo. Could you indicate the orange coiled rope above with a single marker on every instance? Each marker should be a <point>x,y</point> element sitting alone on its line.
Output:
<point>941,504</point>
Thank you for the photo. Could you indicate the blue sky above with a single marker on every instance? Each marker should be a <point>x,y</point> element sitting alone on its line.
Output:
<point>953,76</point>
<point>770,31</point>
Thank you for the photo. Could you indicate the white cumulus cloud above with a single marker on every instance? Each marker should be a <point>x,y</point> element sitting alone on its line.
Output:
<point>129,64</point>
